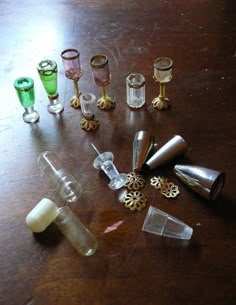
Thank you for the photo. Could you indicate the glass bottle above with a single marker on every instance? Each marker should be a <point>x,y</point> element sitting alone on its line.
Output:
<point>25,91</point>
<point>47,70</point>
<point>66,185</point>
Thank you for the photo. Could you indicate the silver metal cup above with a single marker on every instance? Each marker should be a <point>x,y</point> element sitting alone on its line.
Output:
<point>172,149</point>
<point>142,146</point>
<point>206,182</point>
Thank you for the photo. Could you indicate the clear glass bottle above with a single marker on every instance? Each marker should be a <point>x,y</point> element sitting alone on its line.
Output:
<point>66,185</point>
<point>135,89</point>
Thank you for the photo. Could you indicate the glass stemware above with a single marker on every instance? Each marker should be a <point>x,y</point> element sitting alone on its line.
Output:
<point>25,91</point>
<point>47,70</point>
<point>88,104</point>
<point>71,62</point>
<point>162,75</point>
<point>102,78</point>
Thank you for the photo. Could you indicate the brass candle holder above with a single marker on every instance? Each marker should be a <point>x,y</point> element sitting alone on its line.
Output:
<point>88,104</point>
<point>71,62</point>
<point>162,75</point>
<point>102,78</point>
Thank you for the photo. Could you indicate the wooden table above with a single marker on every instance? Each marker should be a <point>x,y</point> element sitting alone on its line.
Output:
<point>130,266</point>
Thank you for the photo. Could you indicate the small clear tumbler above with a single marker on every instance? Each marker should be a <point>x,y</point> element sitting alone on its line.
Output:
<point>135,89</point>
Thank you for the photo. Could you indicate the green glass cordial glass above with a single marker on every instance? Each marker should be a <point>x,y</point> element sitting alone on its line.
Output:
<point>47,70</point>
<point>25,91</point>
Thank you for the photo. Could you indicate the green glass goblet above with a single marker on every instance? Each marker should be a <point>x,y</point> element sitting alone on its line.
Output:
<point>25,91</point>
<point>47,70</point>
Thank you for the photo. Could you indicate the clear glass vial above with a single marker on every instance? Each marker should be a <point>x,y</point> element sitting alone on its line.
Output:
<point>65,183</point>
<point>135,90</point>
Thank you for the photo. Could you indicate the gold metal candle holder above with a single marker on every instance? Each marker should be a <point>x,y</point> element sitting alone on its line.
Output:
<point>162,75</point>
<point>71,61</point>
<point>102,78</point>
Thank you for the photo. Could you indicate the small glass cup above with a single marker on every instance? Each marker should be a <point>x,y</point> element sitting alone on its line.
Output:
<point>25,91</point>
<point>135,90</point>
<point>71,62</point>
<point>102,78</point>
<point>88,108</point>
<point>47,70</point>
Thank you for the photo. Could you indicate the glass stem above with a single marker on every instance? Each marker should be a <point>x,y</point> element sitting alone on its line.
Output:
<point>76,87</point>
<point>29,110</point>
<point>104,92</point>
<point>162,90</point>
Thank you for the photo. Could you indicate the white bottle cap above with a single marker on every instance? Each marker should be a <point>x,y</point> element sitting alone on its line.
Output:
<point>42,215</point>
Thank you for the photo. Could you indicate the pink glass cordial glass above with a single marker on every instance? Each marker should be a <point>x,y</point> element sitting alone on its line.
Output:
<point>102,78</point>
<point>71,62</point>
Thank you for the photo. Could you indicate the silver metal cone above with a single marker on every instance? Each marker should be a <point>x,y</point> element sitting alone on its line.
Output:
<point>206,182</point>
<point>142,145</point>
<point>173,148</point>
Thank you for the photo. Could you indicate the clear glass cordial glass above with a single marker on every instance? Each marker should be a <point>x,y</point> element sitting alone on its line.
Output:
<point>162,75</point>
<point>88,107</point>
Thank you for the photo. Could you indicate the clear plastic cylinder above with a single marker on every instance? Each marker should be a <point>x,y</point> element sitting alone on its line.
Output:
<point>65,184</point>
<point>76,233</point>
<point>135,90</point>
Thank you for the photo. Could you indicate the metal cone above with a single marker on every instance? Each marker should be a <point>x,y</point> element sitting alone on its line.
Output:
<point>206,182</point>
<point>173,148</point>
<point>142,145</point>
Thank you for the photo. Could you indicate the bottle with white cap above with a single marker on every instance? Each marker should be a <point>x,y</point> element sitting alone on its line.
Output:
<point>46,212</point>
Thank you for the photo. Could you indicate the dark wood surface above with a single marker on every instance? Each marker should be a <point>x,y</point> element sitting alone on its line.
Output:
<point>130,266</point>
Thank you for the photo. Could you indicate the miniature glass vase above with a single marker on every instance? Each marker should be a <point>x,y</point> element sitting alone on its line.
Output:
<point>102,78</point>
<point>47,70</point>
<point>135,89</point>
<point>71,62</point>
<point>25,91</point>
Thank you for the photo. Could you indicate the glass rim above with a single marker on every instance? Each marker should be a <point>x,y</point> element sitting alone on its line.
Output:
<point>23,87</point>
<point>137,84</point>
<point>48,68</point>
<point>70,57</point>
<point>98,56</point>
<point>167,67</point>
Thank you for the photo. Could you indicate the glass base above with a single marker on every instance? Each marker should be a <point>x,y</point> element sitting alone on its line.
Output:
<point>75,101</point>
<point>30,115</point>
<point>55,108</point>
<point>106,103</point>
<point>161,103</point>
<point>89,124</point>
<point>118,181</point>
